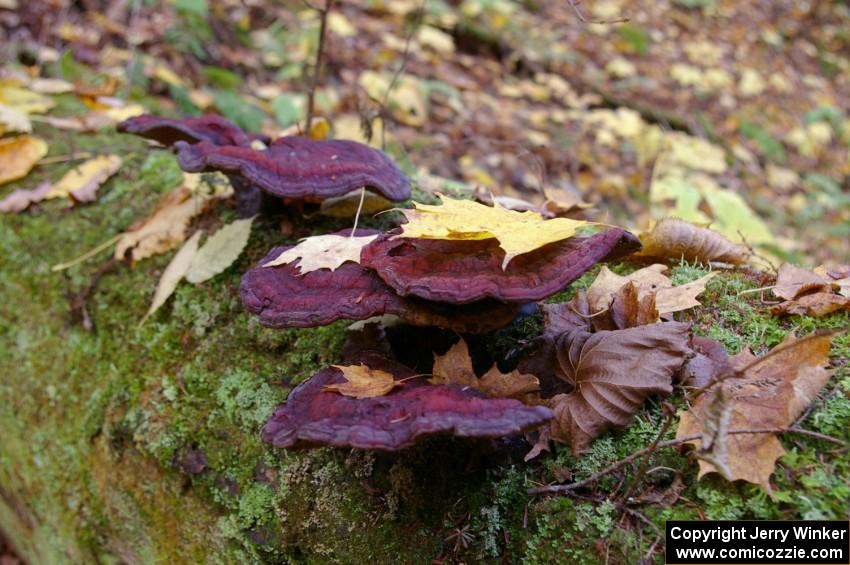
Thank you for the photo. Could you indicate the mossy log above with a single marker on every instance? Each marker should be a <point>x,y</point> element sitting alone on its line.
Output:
<point>141,444</point>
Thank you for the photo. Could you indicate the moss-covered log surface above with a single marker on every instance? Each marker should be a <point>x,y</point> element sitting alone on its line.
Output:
<point>141,444</point>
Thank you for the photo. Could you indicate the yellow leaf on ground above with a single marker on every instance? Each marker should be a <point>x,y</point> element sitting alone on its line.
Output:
<point>346,206</point>
<point>24,100</point>
<point>363,382</point>
<point>219,251</point>
<point>166,227</point>
<point>174,273</point>
<point>517,232</point>
<point>13,120</point>
<point>81,182</point>
<point>18,155</point>
<point>323,252</point>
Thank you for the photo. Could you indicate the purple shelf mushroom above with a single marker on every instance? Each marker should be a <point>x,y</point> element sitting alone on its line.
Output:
<point>210,129</point>
<point>313,416</point>
<point>465,271</point>
<point>299,168</point>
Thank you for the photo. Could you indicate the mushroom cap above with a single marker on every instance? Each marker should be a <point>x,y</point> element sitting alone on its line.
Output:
<point>210,128</point>
<point>297,167</point>
<point>314,417</point>
<point>283,297</point>
<point>469,270</point>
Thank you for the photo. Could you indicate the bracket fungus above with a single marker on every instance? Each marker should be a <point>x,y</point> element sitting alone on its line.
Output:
<point>300,168</point>
<point>284,297</point>
<point>313,416</point>
<point>464,271</point>
<point>210,128</point>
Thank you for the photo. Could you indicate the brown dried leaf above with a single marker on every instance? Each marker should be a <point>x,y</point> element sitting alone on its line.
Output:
<point>613,372</point>
<point>793,281</point>
<point>167,226</point>
<point>455,367</point>
<point>675,239</point>
<point>768,392</point>
<point>648,281</point>
<point>817,304</point>
<point>363,382</point>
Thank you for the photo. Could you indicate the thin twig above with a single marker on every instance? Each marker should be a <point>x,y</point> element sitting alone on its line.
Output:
<point>553,489</point>
<point>671,413</point>
<point>87,255</point>
<point>311,95</point>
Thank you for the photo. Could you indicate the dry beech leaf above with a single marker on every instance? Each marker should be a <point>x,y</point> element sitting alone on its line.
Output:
<point>455,368</point>
<point>793,281</point>
<point>81,182</point>
<point>167,226</point>
<point>613,373</point>
<point>20,199</point>
<point>18,155</point>
<point>649,280</point>
<point>174,273</point>
<point>517,232</point>
<point>817,304</point>
<point>675,239</point>
<point>25,100</point>
<point>766,392</point>
<point>363,382</point>
<point>219,251</point>
<point>323,252</point>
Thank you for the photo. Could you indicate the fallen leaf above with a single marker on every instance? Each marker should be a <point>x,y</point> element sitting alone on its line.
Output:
<point>649,280</point>
<point>323,252</point>
<point>174,273</point>
<point>816,305</point>
<point>13,120</point>
<point>81,182</point>
<point>613,373</point>
<point>676,239</point>
<point>766,392</point>
<point>25,100</point>
<point>517,232</point>
<point>166,227</point>
<point>219,251</point>
<point>18,155</point>
<point>363,382</point>
<point>20,199</point>
<point>455,368</point>
<point>793,281</point>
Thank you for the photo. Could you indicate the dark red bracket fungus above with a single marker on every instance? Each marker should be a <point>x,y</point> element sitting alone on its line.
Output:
<point>297,167</point>
<point>209,128</point>
<point>314,417</point>
<point>283,297</point>
<point>464,271</point>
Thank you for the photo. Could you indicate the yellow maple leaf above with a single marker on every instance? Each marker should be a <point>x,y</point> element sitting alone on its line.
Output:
<point>517,232</point>
<point>363,382</point>
<point>18,155</point>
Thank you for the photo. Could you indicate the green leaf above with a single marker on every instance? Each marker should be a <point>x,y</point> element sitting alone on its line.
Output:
<point>287,109</point>
<point>637,37</point>
<point>239,111</point>
<point>197,7</point>
<point>222,78</point>
<point>771,148</point>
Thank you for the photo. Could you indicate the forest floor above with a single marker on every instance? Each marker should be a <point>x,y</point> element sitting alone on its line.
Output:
<point>750,102</point>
